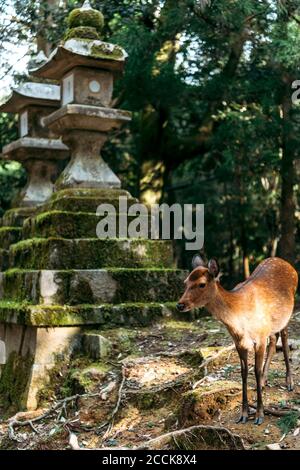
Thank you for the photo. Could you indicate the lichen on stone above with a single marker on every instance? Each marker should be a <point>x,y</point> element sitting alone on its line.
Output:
<point>105,51</point>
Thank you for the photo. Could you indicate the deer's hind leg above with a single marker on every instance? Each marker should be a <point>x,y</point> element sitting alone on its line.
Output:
<point>270,353</point>
<point>285,349</point>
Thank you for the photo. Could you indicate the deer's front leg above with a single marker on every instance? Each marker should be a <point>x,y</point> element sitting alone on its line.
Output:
<point>259,360</point>
<point>243,353</point>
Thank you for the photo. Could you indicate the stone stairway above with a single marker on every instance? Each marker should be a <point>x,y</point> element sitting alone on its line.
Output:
<point>60,279</point>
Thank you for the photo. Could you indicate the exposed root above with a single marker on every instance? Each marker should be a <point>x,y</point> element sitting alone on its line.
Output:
<point>116,409</point>
<point>212,359</point>
<point>187,438</point>
<point>14,422</point>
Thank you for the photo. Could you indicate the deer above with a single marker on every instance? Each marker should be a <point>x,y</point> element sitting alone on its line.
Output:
<point>255,312</point>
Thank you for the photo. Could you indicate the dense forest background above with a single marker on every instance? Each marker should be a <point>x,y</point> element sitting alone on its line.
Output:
<point>209,84</point>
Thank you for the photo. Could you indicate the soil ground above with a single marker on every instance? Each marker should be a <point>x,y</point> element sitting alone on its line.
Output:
<point>149,375</point>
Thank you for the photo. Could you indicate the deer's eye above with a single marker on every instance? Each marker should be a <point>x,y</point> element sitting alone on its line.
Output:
<point>202,285</point>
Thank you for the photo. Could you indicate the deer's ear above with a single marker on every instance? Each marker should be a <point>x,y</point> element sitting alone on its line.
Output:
<point>213,267</point>
<point>197,261</point>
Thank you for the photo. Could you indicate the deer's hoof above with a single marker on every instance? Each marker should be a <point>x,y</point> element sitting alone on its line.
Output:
<point>242,419</point>
<point>258,421</point>
<point>289,384</point>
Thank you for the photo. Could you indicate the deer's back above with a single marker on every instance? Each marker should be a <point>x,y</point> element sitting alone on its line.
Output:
<point>271,290</point>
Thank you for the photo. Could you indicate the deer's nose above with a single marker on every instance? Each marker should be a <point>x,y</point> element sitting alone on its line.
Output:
<point>180,307</point>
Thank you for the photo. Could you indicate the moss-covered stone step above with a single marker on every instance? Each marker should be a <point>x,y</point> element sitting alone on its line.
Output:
<point>86,200</point>
<point>66,224</point>
<point>92,286</point>
<point>3,259</point>
<point>107,315</point>
<point>15,217</point>
<point>60,253</point>
<point>9,236</point>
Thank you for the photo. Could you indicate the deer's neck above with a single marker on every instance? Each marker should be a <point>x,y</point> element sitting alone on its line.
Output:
<point>225,305</point>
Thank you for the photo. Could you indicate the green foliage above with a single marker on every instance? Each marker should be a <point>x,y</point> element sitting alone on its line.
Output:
<point>12,178</point>
<point>288,422</point>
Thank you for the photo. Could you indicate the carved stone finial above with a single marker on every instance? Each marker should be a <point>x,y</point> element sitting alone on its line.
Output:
<point>86,5</point>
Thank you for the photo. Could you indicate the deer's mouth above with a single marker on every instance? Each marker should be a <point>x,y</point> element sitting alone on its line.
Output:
<point>183,307</point>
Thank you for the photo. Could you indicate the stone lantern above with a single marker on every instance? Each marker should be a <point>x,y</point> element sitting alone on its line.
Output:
<point>37,149</point>
<point>86,68</point>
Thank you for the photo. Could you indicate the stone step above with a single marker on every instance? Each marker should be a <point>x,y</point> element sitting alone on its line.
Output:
<point>108,315</point>
<point>66,224</point>
<point>15,217</point>
<point>92,286</point>
<point>90,253</point>
<point>3,259</point>
<point>86,200</point>
<point>9,236</point>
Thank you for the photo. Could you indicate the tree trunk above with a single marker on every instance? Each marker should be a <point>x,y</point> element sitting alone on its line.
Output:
<point>46,14</point>
<point>286,245</point>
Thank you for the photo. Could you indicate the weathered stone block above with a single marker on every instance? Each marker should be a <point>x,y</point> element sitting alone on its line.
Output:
<point>15,217</point>
<point>9,236</point>
<point>86,200</point>
<point>136,314</point>
<point>74,287</point>
<point>59,253</point>
<point>32,352</point>
<point>96,346</point>
<point>66,224</point>
<point>4,259</point>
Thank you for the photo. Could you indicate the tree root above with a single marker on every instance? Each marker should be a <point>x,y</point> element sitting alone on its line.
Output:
<point>211,359</point>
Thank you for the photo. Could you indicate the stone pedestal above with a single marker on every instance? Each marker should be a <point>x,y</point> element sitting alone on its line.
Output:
<point>37,149</point>
<point>86,168</point>
<point>61,280</point>
<point>40,158</point>
<point>29,354</point>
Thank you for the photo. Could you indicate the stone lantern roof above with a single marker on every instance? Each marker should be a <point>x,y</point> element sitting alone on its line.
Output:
<point>82,46</point>
<point>35,94</point>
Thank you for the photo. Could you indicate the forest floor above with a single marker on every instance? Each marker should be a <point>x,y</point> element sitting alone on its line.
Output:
<point>144,389</point>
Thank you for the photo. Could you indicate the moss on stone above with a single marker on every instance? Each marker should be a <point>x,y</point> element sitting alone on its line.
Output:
<point>130,314</point>
<point>3,259</point>
<point>15,217</point>
<point>85,200</point>
<point>90,18</point>
<point>84,380</point>
<point>9,235</point>
<point>89,192</point>
<point>90,253</point>
<point>14,380</point>
<point>82,32</point>
<point>102,51</point>
<point>65,224</point>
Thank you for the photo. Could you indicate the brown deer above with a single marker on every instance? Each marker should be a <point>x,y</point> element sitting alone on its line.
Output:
<point>253,312</point>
